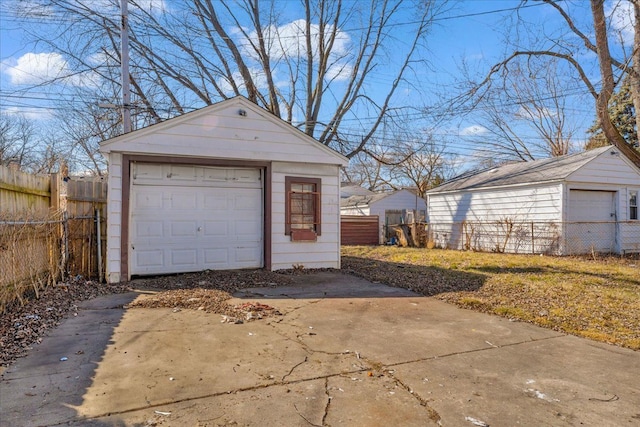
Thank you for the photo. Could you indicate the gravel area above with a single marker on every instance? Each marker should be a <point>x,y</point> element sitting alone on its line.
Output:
<point>23,326</point>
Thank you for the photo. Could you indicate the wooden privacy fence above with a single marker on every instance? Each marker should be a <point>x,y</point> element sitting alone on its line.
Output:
<point>50,227</point>
<point>359,230</point>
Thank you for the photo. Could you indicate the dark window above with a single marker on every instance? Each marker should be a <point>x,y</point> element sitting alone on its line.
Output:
<point>302,206</point>
<point>633,205</point>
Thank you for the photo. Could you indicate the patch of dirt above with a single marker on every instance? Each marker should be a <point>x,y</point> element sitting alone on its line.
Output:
<point>23,326</point>
<point>207,300</point>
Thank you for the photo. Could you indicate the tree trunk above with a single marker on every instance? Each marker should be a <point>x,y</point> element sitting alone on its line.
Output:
<point>602,102</point>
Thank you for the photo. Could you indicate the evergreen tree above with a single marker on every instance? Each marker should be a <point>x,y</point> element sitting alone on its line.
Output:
<point>623,117</point>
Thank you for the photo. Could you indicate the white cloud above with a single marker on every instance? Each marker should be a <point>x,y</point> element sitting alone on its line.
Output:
<point>473,130</point>
<point>152,5</point>
<point>475,57</point>
<point>34,68</point>
<point>113,6</point>
<point>622,16</point>
<point>32,9</point>
<point>30,113</point>
<point>258,77</point>
<point>534,113</point>
<point>37,68</point>
<point>289,41</point>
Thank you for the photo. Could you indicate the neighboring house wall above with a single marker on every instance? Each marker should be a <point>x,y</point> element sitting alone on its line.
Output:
<point>380,203</point>
<point>364,210</point>
<point>399,200</point>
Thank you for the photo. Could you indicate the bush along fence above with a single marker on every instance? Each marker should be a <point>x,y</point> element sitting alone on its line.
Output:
<point>50,227</point>
<point>537,237</point>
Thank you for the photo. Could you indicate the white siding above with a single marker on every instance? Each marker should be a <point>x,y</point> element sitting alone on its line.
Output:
<point>114,214</point>
<point>221,132</point>
<point>325,252</point>
<point>489,209</point>
<point>218,131</point>
<point>629,230</point>
<point>539,203</point>
<point>607,171</point>
<point>530,203</point>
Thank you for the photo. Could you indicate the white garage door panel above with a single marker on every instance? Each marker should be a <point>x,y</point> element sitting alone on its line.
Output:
<point>184,257</point>
<point>216,256</point>
<point>591,219</point>
<point>591,205</point>
<point>150,258</point>
<point>216,228</point>
<point>180,228</point>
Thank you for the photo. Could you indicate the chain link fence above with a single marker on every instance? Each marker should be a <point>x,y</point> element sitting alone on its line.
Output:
<point>37,251</point>
<point>551,238</point>
<point>30,256</point>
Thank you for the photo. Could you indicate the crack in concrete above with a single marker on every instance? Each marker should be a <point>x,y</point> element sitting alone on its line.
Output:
<point>306,358</point>
<point>433,414</point>
<point>217,394</point>
<point>305,418</point>
<point>301,343</point>
<point>326,408</point>
<point>477,350</point>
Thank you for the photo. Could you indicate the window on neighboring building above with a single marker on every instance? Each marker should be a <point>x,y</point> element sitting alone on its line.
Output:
<point>302,207</point>
<point>633,205</point>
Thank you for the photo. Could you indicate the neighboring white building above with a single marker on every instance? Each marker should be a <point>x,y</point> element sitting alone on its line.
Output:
<point>225,187</point>
<point>381,203</point>
<point>348,189</point>
<point>566,205</point>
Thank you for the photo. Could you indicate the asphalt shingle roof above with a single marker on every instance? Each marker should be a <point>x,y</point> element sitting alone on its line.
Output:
<point>357,200</point>
<point>553,169</point>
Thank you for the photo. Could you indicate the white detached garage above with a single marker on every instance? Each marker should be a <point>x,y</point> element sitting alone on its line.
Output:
<point>565,205</point>
<point>226,187</point>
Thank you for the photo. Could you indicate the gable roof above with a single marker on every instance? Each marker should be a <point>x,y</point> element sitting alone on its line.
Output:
<point>349,189</point>
<point>238,107</point>
<point>543,170</point>
<point>362,200</point>
<point>368,199</point>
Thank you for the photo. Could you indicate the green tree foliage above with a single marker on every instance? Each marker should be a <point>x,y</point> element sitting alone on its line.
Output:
<point>623,117</point>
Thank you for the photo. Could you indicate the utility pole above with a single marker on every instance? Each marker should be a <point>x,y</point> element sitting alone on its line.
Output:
<point>124,64</point>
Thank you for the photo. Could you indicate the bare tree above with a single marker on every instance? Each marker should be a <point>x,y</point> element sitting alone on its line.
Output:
<point>564,49</point>
<point>366,172</point>
<point>525,114</point>
<point>17,141</point>
<point>314,72</point>
<point>421,165</point>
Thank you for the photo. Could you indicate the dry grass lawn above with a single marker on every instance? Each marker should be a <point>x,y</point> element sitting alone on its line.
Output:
<point>593,298</point>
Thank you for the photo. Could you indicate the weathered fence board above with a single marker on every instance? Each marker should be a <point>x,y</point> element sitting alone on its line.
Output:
<point>22,193</point>
<point>84,197</point>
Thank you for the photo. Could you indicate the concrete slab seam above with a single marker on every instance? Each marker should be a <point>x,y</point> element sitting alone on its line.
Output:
<point>477,350</point>
<point>210,395</point>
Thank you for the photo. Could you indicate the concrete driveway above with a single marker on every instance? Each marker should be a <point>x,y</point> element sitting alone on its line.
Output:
<point>344,352</point>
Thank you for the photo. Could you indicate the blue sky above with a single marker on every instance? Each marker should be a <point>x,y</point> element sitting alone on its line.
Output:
<point>471,32</point>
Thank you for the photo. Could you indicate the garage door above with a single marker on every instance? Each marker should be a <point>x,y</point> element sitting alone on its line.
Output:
<point>193,218</point>
<point>591,218</point>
